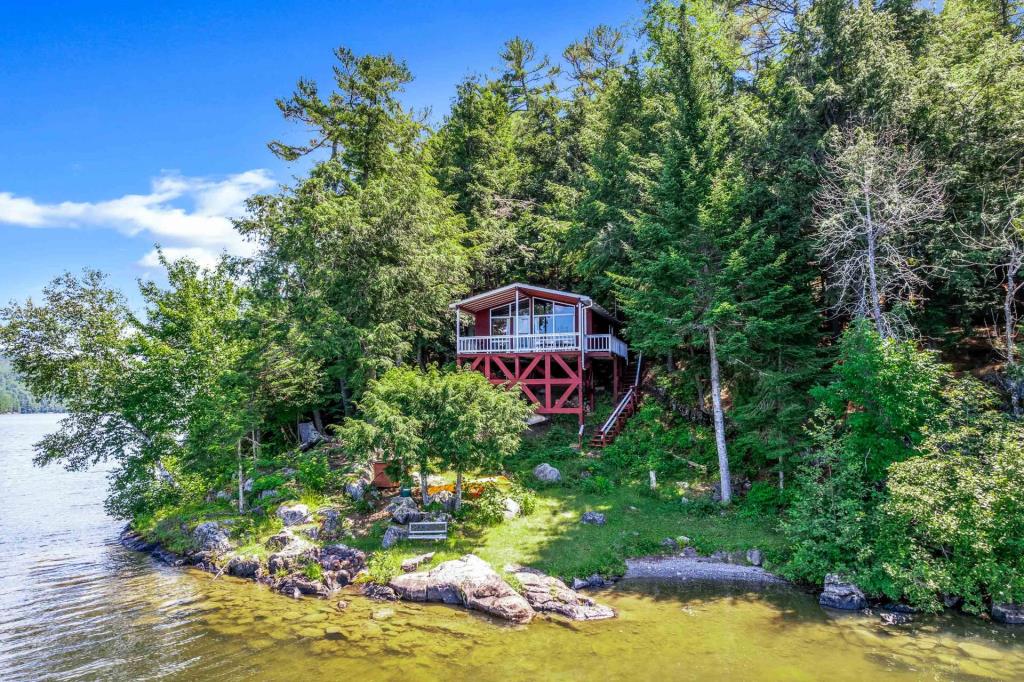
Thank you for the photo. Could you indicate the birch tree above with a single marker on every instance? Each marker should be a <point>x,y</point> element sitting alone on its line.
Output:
<point>1002,248</point>
<point>874,201</point>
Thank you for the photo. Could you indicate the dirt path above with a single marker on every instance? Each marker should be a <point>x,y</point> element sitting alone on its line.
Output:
<point>679,568</point>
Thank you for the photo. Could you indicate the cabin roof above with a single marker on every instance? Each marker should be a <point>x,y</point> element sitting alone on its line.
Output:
<point>507,294</point>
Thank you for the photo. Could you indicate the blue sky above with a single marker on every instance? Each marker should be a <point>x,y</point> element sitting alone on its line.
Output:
<point>129,124</point>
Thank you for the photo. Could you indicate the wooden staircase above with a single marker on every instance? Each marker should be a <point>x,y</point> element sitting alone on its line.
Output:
<point>624,409</point>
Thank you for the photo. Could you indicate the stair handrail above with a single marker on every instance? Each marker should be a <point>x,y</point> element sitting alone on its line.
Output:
<point>625,399</point>
<point>618,410</point>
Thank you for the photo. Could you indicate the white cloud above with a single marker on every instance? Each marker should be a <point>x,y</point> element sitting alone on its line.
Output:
<point>188,216</point>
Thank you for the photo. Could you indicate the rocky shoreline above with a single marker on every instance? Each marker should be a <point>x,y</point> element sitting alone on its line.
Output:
<point>469,581</point>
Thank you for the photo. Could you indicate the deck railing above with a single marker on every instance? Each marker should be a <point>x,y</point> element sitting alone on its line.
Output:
<point>607,343</point>
<point>540,343</point>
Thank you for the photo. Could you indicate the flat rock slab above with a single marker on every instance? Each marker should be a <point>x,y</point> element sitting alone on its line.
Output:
<point>546,593</point>
<point>680,568</point>
<point>470,582</point>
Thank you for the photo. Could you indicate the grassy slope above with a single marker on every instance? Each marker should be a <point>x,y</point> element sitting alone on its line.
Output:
<point>551,538</point>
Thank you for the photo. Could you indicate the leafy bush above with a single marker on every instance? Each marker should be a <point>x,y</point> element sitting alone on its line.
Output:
<point>489,508</point>
<point>381,567</point>
<point>597,484</point>
<point>269,482</point>
<point>313,570</point>
<point>764,499</point>
<point>702,506</point>
<point>255,526</point>
<point>313,472</point>
<point>934,507</point>
<point>526,499</point>
<point>651,440</point>
<point>953,522</point>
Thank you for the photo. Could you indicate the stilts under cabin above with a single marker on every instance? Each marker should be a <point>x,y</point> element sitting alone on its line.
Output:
<point>557,346</point>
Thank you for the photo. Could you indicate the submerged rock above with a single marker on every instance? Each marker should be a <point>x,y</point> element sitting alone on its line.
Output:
<point>1008,614</point>
<point>547,473</point>
<point>470,582</point>
<point>303,585</point>
<point>840,594</point>
<point>379,592</point>
<point>211,537</point>
<point>293,514</point>
<point>593,580</point>
<point>545,593</point>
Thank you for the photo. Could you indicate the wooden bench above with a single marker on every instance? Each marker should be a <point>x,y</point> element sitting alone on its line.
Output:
<point>428,530</point>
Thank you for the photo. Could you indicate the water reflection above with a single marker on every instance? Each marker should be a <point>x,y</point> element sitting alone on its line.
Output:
<point>74,605</point>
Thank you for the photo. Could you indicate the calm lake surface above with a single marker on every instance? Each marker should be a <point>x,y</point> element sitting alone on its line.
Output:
<point>75,605</point>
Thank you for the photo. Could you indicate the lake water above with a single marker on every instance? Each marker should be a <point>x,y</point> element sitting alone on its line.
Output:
<point>75,605</point>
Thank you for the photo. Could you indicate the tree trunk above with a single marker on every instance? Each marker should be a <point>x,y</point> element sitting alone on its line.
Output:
<point>875,303</point>
<point>345,402</point>
<point>458,489</point>
<point>716,401</point>
<point>241,478</point>
<point>423,482</point>
<point>318,422</point>
<point>654,479</point>
<point>1011,350</point>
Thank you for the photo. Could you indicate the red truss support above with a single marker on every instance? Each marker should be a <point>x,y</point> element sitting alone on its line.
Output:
<point>549,380</point>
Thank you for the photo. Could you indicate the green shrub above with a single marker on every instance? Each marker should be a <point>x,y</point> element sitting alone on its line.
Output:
<point>314,472</point>
<point>704,505</point>
<point>526,499</point>
<point>313,570</point>
<point>381,567</point>
<point>489,508</point>
<point>270,482</point>
<point>764,499</point>
<point>597,484</point>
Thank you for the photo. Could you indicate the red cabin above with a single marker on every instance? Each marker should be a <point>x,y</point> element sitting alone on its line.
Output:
<point>557,346</point>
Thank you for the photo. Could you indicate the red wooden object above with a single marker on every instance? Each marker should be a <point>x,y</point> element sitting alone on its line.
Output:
<point>380,476</point>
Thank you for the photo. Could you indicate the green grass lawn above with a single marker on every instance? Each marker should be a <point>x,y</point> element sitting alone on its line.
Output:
<point>553,540</point>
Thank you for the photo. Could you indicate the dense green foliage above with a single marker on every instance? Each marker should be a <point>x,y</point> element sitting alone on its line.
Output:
<point>796,209</point>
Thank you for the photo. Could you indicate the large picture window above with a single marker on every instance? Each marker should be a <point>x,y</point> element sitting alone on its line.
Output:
<point>503,320</point>
<point>553,318</point>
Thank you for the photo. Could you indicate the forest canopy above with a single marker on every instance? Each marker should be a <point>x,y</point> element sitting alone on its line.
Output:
<point>810,214</point>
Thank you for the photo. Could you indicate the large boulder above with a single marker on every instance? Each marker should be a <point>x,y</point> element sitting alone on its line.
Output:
<point>308,434</point>
<point>298,585</point>
<point>290,549</point>
<point>547,473</point>
<point>211,537</point>
<point>293,514</point>
<point>244,567</point>
<point>341,564</point>
<point>469,582</point>
<point>356,488</point>
<point>392,536</point>
<point>840,594</point>
<point>444,498</point>
<point>545,593</point>
<point>512,508</point>
<point>1009,614</point>
<point>332,525</point>
<point>593,518</point>
<point>403,510</point>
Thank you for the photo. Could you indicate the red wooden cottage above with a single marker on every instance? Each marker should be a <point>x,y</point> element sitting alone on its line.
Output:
<point>556,345</point>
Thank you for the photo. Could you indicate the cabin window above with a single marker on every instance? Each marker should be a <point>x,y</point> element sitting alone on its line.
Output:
<point>502,318</point>
<point>553,318</point>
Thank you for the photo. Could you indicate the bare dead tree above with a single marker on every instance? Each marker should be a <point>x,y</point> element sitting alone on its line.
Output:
<point>1002,248</point>
<point>875,199</point>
